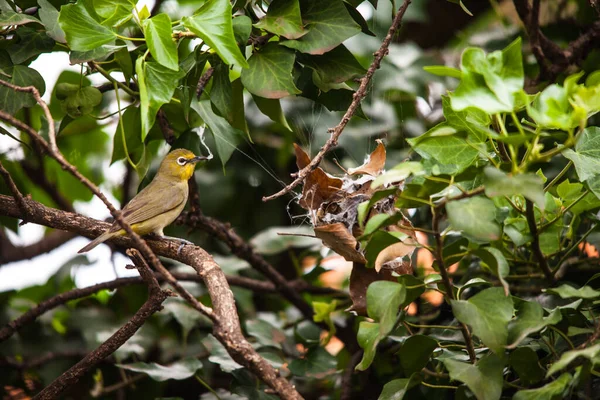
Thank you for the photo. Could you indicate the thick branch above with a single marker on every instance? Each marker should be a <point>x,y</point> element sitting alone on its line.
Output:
<point>156,297</point>
<point>227,329</point>
<point>357,98</point>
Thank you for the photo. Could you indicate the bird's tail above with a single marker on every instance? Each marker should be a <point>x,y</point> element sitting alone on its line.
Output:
<point>102,238</point>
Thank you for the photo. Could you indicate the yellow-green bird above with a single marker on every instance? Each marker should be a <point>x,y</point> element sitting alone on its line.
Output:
<point>159,203</point>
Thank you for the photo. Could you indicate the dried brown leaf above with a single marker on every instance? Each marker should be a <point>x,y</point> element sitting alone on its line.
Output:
<point>302,159</point>
<point>396,258</point>
<point>337,238</point>
<point>374,164</point>
<point>319,187</point>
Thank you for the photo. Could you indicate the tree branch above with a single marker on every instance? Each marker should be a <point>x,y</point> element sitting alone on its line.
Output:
<point>15,192</point>
<point>535,241</point>
<point>357,98</point>
<point>11,253</point>
<point>156,297</point>
<point>227,330</point>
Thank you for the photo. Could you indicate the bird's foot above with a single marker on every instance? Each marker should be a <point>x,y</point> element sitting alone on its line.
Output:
<point>182,241</point>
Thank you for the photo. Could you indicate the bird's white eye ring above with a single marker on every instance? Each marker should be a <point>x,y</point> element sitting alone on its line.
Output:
<point>181,161</point>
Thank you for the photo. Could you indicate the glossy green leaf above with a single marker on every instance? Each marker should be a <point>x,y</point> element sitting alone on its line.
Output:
<point>265,333</point>
<point>317,363</point>
<point>455,153</point>
<point>179,370</point>
<point>283,18</point>
<point>490,82</point>
<point>12,101</point>
<point>592,353</point>
<point>212,23</point>
<point>525,362</point>
<point>49,16</point>
<point>185,315</point>
<point>496,261</point>
<point>442,70</point>
<point>416,352</point>
<point>586,155</point>
<point>9,17</point>
<point>157,31</point>
<point>30,44</point>
<point>99,53</point>
<point>157,85</point>
<point>106,8</point>
<point>571,192</point>
<point>221,91</point>
<point>332,69</point>
<point>383,303</point>
<point>227,138</point>
<point>484,379</point>
<point>471,120</point>
<point>269,72</point>
<point>242,28</point>
<point>497,183</point>
<point>396,389</point>
<point>476,217</point>
<point>530,319</point>
<point>328,24</point>
<point>566,291</point>
<point>77,101</point>
<point>552,109</point>
<point>219,355</point>
<point>368,338</point>
<point>488,313</point>
<point>323,311</point>
<point>553,390</point>
<point>272,109</point>
<point>82,26</point>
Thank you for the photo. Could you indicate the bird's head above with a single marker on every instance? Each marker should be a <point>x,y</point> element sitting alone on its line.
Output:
<point>179,164</point>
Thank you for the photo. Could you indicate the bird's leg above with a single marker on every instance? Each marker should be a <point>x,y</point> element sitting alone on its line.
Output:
<point>157,235</point>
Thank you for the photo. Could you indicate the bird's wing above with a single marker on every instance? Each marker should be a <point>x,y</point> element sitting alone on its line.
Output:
<point>149,203</point>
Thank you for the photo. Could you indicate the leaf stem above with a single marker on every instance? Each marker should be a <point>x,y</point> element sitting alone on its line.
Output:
<point>130,38</point>
<point>439,386</point>
<point>559,176</point>
<point>432,326</point>
<point>564,211</point>
<point>511,149</point>
<point>105,74</point>
<point>535,243</point>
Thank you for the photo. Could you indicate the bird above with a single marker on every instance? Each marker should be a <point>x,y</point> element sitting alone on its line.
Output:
<point>159,203</point>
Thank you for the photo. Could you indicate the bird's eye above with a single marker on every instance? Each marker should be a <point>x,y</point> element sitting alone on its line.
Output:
<point>181,161</point>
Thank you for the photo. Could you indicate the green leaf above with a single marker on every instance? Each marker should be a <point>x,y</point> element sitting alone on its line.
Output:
<point>265,333</point>
<point>398,174</point>
<point>269,241</point>
<point>227,137</point>
<point>82,27</point>
<point>179,370</point>
<point>219,355</point>
<point>570,192</point>
<point>552,109</point>
<point>269,72</point>
<point>530,319</point>
<point>553,390</point>
<point>488,313</point>
<point>77,101</point>
<point>490,83</point>
<point>484,379</point>
<point>317,363</point>
<point>586,156</point>
<point>379,241</point>
<point>334,68</point>
<point>242,28</point>
<point>9,17</point>
<point>157,31</point>
<point>30,44</point>
<point>157,85</point>
<point>592,353</point>
<point>106,8</point>
<point>566,292</point>
<point>525,362</point>
<point>497,183</point>
<point>187,317</point>
<point>49,16</point>
<point>416,352</point>
<point>283,18</point>
<point>470,120</point>
<point>99,53</point>
<point>323,313</point>
<point>496,261</point>
<point>454,153</point>
<point>383,304</point>
<point>368,338</point>
<point>12,101</point>
<point>328,24</point>
<point>212,23</point>
<point>476,217</point>
<point>221,92</point>
<point>442,70</point>
<point>272,109</point>
<point>396,389</point>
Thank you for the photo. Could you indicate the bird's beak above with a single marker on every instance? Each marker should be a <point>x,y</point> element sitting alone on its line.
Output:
<point>197,158</point>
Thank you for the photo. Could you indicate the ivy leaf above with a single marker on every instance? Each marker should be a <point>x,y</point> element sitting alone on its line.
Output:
<point>265,333</point>
<point>269,72</point>
<point>566,292</point>
<point>586,156</point>
<point>553,390</point>
<point>329,24</point>
<point>82,27</point>
<point>592,353</point>
<point>9,17</point>
<point>179,370</point>
<point>488,313</point>
<point>570,192</point>
<point>77,101</point>
<point>496,261</point>
<point>415,353</point>
<point>490,82</point>
<point>530,319</point>
<point>455,153</point>
<point>497,183</point>
<point>332,69</point>
<point>525,362</point>
<point>272,109</point>
<point>470,120</point>
<point>484,379</point>
<point>317,363</point>
<point>368,338</point>
<point>106,8</point>
<point>49,16</point>
<point>31,43</point>
<point>226,137</point>
<point>242,28</point>
<point>283,18</point>
<point>20,76</point>
<point>383,303</point>
<point>476,217</point>
<point>157,85</point>
<point>157,31</point>
<point>212,23</point>
<point>396,389</point>
<point>442,70</point>
<point>552,109</point>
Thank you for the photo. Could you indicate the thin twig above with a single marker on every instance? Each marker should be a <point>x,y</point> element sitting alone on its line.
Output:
<point>15,191</point>
<point>356,100</point>
<point>535,241</point>
<point>203,81</point>
<point>165,127</point>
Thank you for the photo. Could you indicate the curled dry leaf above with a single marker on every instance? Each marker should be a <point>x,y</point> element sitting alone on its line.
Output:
<point>319,187</point>
<point>336,237</point>
<point>374,163</point>
<point>395,258</point>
